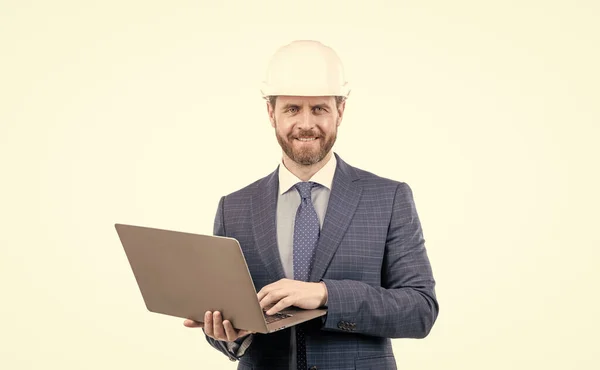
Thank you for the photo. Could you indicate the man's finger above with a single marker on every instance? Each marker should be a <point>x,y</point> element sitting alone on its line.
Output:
<point>208,324</point>
<point>218,330</point>
<point>283,303</point>
<point>269,288</point>
<point>271,298</point>
<point>264,291</point>
<point>193,324</point>
<point>243,333</point>
<point>260,294</point>
<point>231,333</point>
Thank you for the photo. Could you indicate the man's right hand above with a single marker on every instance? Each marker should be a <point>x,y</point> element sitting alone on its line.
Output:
<point>217,328</point>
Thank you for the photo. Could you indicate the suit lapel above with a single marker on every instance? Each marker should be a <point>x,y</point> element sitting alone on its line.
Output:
<point>343,200</point>
<point>264,213</point>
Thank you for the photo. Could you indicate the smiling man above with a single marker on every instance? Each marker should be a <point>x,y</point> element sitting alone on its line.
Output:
<point>308,128</point>
<point>318,232</point>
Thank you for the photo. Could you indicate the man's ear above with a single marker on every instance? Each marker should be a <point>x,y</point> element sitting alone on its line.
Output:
<point>341,109</point>
<point>271,113</point>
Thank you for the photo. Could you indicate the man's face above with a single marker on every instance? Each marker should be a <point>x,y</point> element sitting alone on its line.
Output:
<point>306,127</point>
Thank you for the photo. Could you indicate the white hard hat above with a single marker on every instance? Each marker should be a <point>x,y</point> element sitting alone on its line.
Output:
<point>305,68</point>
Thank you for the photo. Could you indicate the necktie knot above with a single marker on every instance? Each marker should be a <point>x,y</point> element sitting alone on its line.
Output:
<point>304,188</point>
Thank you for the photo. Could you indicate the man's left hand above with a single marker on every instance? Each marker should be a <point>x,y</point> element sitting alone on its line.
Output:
<point>287,292</point>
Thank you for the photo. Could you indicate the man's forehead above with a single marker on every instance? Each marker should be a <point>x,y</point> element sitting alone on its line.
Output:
<point>304,100</point>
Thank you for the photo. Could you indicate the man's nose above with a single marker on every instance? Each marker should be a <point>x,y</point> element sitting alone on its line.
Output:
<point>306,121</point>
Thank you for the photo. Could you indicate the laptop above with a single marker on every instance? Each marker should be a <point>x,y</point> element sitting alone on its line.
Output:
<point>184,275</point>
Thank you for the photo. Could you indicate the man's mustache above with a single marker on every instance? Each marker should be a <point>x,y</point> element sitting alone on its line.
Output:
<point>305,134</point>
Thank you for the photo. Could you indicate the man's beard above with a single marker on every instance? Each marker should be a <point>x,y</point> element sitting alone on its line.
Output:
<point>306,156</point>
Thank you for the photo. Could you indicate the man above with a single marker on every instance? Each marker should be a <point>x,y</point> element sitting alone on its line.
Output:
<point>318,232</point>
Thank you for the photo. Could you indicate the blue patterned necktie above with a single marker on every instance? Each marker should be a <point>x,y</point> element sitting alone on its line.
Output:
<point>306,232</point>
<point>306,236</point>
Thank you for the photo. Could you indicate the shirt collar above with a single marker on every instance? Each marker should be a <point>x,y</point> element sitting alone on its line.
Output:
<point>323,177</point>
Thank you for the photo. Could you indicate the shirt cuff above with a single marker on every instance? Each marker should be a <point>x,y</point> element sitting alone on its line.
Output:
<point>238,348</point>
<point>326,292</point>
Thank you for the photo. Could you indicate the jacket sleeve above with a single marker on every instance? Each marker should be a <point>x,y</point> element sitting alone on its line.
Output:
<point>236,349</point>
<point>405,305</point>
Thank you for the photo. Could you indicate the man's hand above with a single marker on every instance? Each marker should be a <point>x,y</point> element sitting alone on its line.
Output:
<point>217,328</point>
<point>286,292</point>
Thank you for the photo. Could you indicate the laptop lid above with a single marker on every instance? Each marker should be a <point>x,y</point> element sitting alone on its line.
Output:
<point>184,275</point>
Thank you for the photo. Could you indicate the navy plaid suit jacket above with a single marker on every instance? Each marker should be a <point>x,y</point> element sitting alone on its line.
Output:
<point>371,255</point>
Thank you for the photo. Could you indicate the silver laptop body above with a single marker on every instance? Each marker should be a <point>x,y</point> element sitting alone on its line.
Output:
<point>184,275</point>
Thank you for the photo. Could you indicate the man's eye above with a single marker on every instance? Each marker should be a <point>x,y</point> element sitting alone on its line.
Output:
<point>319,109</point>
<point>292,110</point>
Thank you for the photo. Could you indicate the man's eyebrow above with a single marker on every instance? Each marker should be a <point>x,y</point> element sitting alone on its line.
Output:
<point>321,105</point>
<point>292,105</point>
<point>289,105</point>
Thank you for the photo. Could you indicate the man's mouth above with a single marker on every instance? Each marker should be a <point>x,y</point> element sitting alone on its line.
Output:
<point>305,139</point>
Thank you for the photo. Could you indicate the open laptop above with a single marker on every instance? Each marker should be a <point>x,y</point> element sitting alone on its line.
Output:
<point>184,275</point>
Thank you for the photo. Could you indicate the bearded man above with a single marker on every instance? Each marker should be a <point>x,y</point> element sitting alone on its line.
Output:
<point>320,233</point>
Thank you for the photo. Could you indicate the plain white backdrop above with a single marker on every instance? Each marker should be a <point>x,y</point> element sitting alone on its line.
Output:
<point>146,113</point>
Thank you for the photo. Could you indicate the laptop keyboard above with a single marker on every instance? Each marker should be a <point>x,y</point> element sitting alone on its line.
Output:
<point>275,317</point>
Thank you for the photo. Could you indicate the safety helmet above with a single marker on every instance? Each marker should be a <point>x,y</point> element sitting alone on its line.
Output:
<point>305,68</point>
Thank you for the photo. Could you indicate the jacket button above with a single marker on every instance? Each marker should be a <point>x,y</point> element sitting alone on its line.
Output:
<point>313,368</point>
<point>341,324</point>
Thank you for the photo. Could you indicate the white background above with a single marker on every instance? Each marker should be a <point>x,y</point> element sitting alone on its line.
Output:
<point>147,112</point>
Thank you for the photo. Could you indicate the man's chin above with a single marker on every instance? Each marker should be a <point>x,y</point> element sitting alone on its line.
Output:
<point>307,159</point>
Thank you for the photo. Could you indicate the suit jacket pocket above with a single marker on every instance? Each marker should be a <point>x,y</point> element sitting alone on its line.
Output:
<point>387,362</point>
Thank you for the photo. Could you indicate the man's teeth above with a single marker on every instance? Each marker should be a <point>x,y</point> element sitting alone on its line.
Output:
<point>307,138</point>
